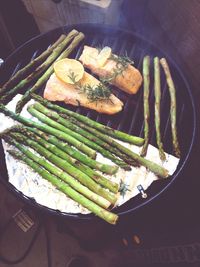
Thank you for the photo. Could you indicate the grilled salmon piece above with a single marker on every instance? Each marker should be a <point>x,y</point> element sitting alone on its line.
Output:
<point>129,81</point>
<point>57,90</point>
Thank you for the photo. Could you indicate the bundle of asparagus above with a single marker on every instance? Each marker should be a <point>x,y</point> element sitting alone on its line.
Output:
<point>82,184</point>
<point>157,92</point>
<point>54,54</point>
<point>45,138</point>
<point>73,169</point>
<point>77,39</point>
<point>68,169</point>
<point>62,132</point>
<point>26,70</point>
<point>105,168</point>
<point>58,181</point>
<point>135,140</point>
<point>64,124</point>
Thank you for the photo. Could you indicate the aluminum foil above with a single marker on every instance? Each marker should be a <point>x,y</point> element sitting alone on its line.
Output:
<point>32,185</point>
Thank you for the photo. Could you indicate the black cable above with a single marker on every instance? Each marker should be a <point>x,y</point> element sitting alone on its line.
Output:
<point>12,262</point>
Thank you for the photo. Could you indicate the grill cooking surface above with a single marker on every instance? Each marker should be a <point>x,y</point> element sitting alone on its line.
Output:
<point>130,120</point>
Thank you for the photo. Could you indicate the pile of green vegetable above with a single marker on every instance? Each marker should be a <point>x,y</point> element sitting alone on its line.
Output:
<point>70,141</point>
<point>157,92</point>
<point>70,144</point>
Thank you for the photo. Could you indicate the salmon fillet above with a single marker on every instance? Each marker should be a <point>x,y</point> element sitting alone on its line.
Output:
<point>129,81</point>
<point>56,90</point>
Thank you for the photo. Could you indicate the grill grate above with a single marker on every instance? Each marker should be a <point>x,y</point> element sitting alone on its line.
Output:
<point>130,120</point>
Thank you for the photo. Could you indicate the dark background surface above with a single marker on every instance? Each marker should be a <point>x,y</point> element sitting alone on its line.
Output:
<point>174,26</point>
<point>173,218</point>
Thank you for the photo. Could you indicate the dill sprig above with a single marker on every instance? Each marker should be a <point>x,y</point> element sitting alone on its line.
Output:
<point>122,60</point>
<point>97,93</point>
<point>121,66</point>
<point>123,188</point>
<point>72,76</point>
<point>94,93</point>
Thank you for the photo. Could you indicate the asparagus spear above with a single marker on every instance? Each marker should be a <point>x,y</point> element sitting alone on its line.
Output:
<point>93,135</point>
<point>160,171</point>
<point>36,73</point>
<point>56,125</point>
<point>113,187</point>
<point>114,146</point>
<point>157,107</point>
<point>63,136</point>
<point>105,168</point>
<point>172,91</point>
<point>60,174</point>
<point>146,63</point>
<point>109,169</point>
<point>32,64</point>
<point>64,165</point>
<point>48,73</point>
<point>107,130</point>
<point>62,186</point>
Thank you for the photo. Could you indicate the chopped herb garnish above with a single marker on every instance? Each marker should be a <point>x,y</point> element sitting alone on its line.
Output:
<point>123,60</point>
<point>123,188</point>
<point>99,92</point>
<point>122,64</point>
<point>94,93</point>
<point>72,76</point>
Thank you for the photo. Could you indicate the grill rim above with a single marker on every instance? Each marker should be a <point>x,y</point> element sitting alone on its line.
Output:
<point>179,170</point>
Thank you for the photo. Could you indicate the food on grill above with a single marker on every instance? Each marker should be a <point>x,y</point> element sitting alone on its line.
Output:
<point>29,67</point>
<point>98,126</point>
<point>64,136</point>
<point>76,156</point>
<point>146,77</point>
<point>77,39</point>
<point>89,93</point>
<point>65,133</point>
<point>57,122</point>
<point>69,70</point>
<point>64,151</point>
<point>172,92</point>
<point>103,56</point>
<point>112,69</point>
<point>68,190</point>
<point>58,161</point>
<point>73,152</point>
<point>14,138</point>
<point>90,137</point>
<point>157,93</point>
<point>41,68</point>
<point>64,125</point>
